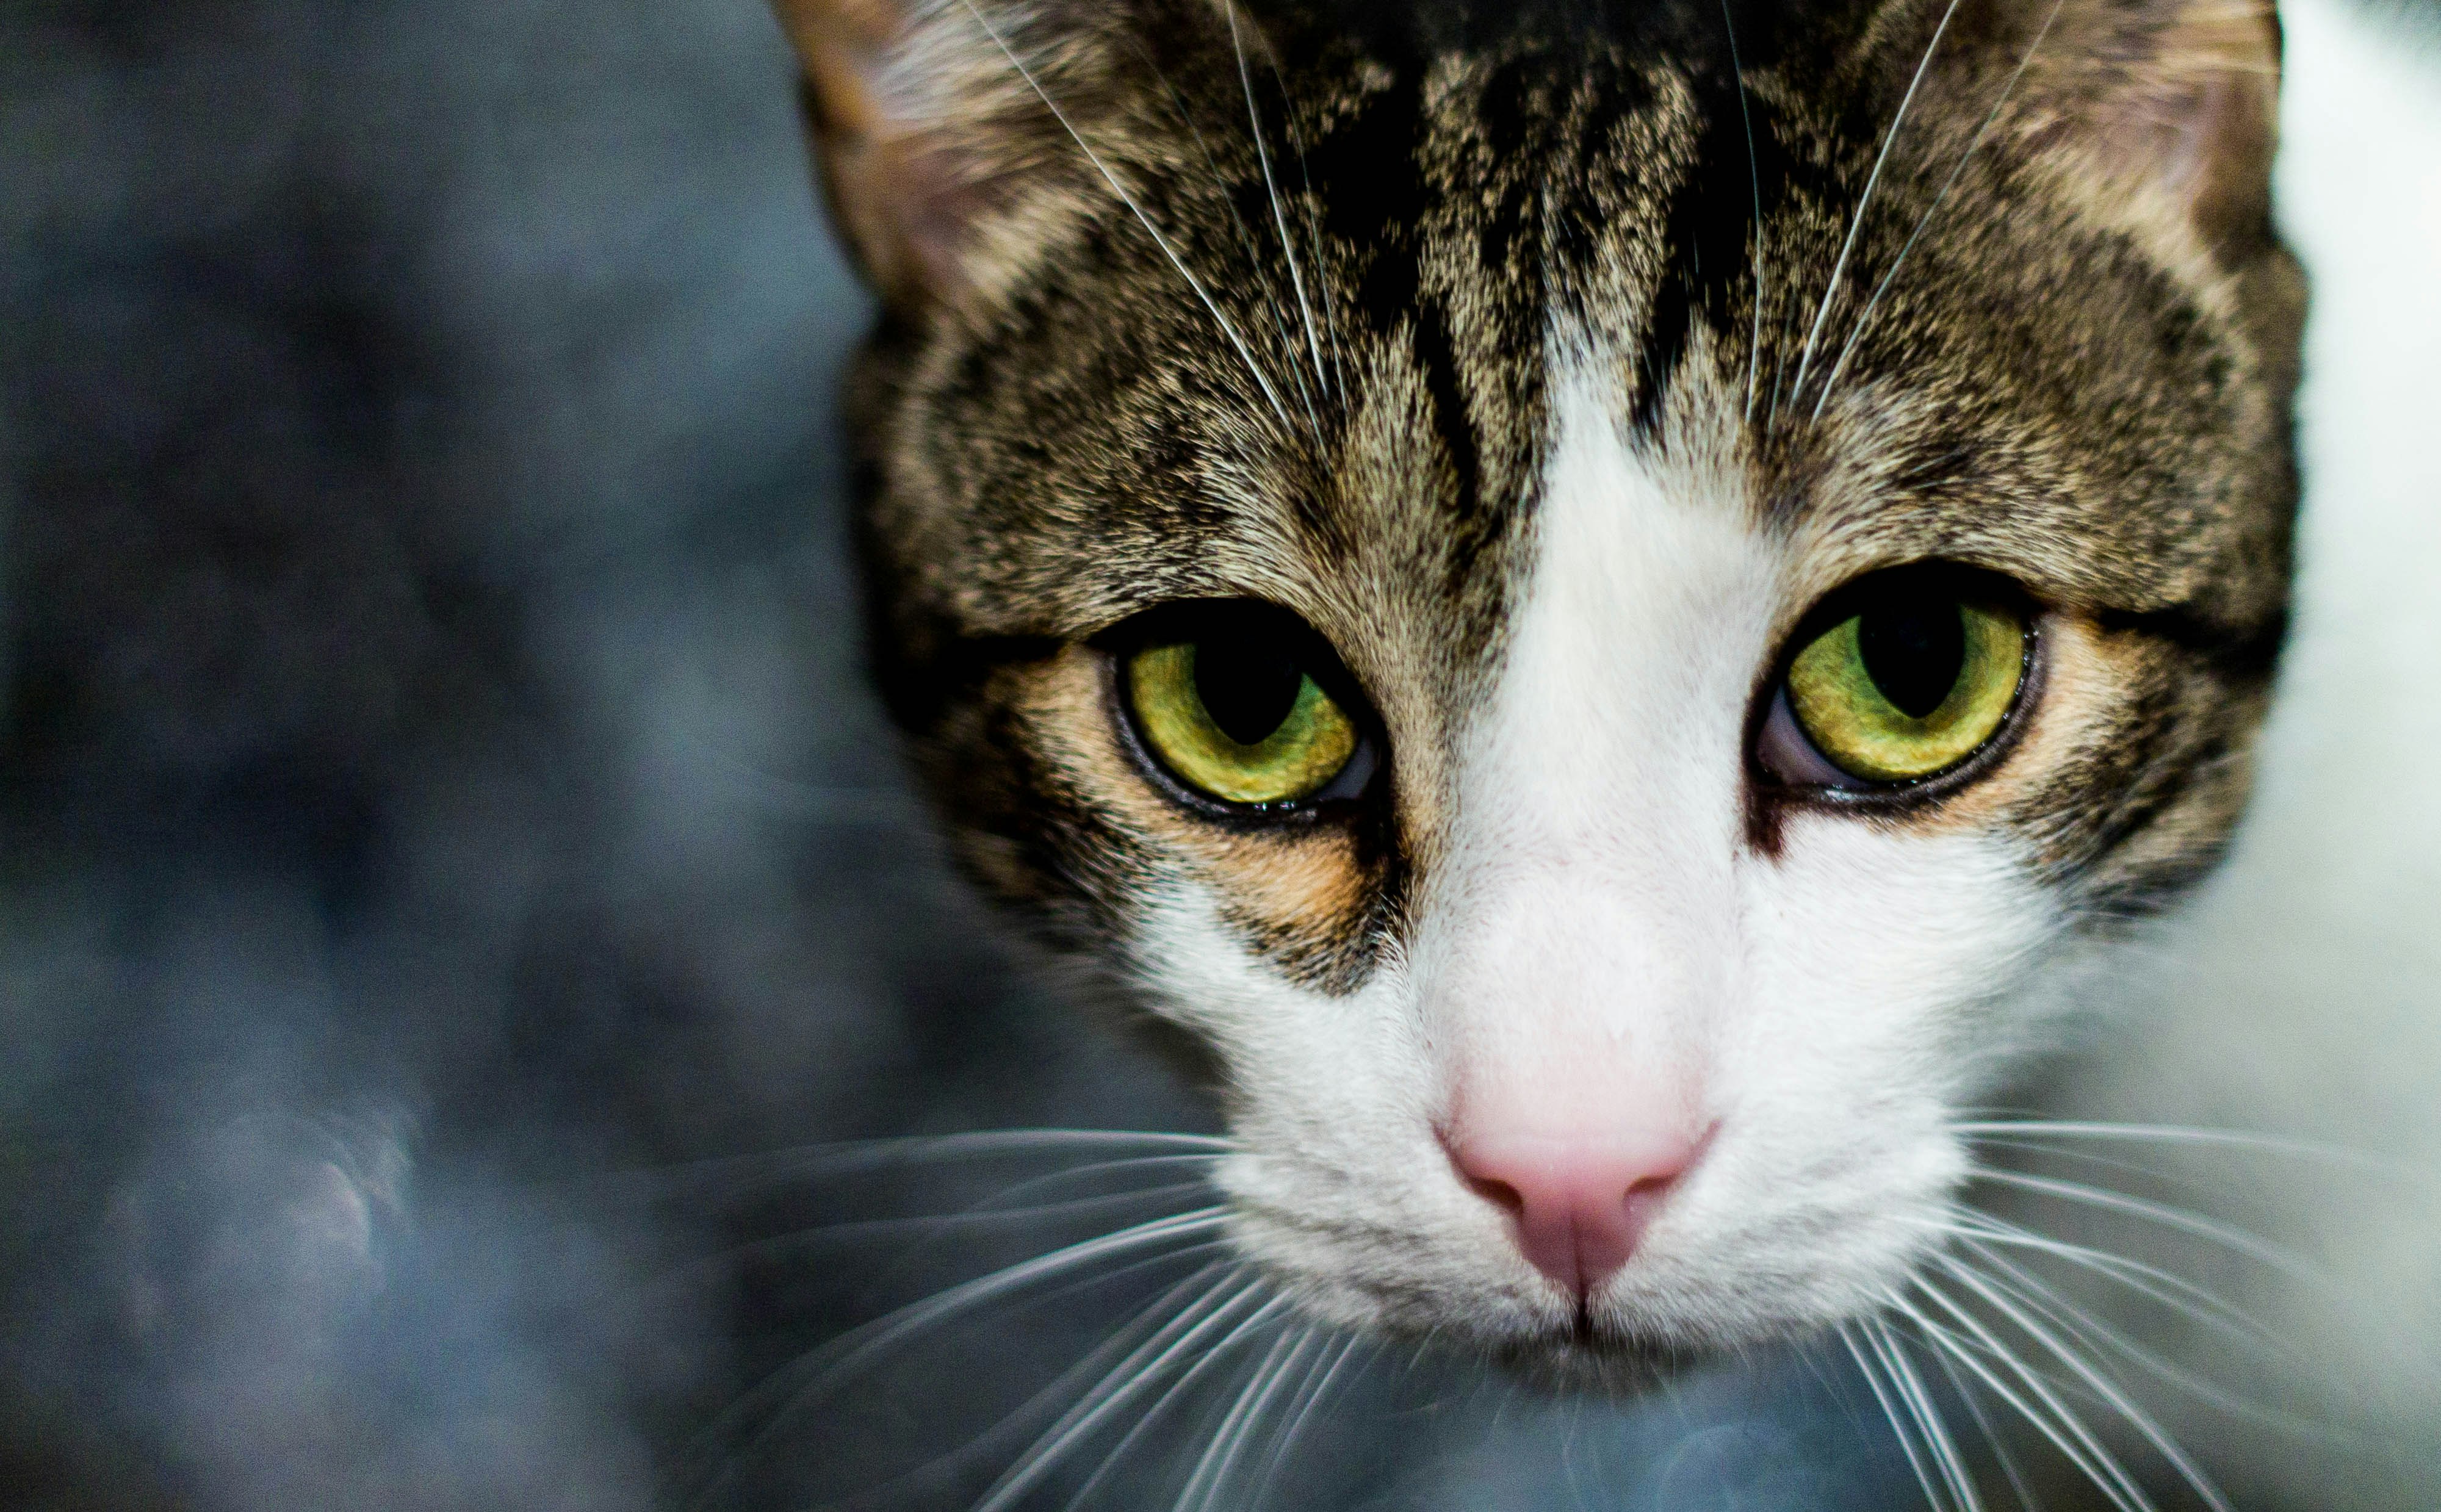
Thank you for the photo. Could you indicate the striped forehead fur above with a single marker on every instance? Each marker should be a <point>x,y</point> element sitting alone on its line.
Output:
<point>2031,392</point>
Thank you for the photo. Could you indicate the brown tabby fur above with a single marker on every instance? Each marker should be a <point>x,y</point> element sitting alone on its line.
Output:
<point>2080,377</point>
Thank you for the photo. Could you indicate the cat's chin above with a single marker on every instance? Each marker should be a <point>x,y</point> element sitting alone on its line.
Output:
<point>1592,1362</point>
<point>1586,1355</point>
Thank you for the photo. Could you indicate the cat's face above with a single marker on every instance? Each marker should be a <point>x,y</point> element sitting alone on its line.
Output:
<point>1597,705</point>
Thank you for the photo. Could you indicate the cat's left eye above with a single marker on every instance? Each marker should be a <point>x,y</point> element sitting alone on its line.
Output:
<point>1907,677</point>
<point>1231,701</point>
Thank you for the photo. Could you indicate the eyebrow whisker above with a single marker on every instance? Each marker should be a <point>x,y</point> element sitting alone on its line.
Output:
<point>1245,353</point>
<point>1872,180</point>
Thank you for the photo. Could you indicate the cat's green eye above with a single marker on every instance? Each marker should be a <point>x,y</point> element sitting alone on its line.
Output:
<point>1235,714</point>
<point>1919,677</point>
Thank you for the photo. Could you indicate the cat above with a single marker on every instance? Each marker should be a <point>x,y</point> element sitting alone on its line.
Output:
<point>1610,607</point>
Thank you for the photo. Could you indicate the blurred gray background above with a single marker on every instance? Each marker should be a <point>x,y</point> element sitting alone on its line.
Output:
<point>440,810</point>
<point>440,800</point>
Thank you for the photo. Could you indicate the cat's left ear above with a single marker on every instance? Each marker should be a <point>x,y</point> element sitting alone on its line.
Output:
<point>2163,114</point>
<point>933,130</point>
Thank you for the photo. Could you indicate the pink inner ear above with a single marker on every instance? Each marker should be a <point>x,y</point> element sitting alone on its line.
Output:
<point>938,196</point>
<point>2192,138</point>
<point>2173,101</point>
<point>906,196</point>
<point>917,118</point>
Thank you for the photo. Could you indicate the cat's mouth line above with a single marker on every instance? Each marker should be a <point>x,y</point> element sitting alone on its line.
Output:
<point>1510,1320</point>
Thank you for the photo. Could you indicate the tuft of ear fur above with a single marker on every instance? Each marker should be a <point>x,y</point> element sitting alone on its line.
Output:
<point>2162,113</point>
<point>927,118</point>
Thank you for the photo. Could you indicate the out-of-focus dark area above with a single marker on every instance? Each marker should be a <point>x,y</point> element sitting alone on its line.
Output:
<point>440,804</point>
<point>435,770</point>
<point>449,859</point>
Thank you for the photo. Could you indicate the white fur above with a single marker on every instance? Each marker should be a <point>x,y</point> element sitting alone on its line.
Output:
<point>1603,943</point>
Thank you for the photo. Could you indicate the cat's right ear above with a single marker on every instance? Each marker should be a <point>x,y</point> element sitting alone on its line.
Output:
<point>928,124</point>
<point>2163,114</point>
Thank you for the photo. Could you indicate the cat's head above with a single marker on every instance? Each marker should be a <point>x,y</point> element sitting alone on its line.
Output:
<point>1587,609</point>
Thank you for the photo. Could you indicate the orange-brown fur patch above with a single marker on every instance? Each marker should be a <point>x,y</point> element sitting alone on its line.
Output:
<point>1301,894</point>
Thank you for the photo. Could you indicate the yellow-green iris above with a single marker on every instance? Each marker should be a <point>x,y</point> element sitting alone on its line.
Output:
<point>1242,725</point>
<point>1908,687</point>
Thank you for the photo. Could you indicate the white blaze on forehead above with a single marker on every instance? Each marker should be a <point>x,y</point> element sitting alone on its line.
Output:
<point>1603,954</point>
<point>1586,922</point>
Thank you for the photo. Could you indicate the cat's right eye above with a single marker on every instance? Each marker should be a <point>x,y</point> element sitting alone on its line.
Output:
<point>1229,699</point>
<point>1910,675</point>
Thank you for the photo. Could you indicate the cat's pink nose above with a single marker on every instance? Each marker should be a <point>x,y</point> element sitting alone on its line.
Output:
<point>1577,1204</point>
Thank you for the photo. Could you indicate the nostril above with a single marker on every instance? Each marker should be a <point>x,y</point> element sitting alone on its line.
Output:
<point>1494,1191</point>
<point>1653,1187</point>
<point>1645,1196</point>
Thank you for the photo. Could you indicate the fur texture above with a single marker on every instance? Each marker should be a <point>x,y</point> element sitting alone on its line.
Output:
<point>1553,368</point>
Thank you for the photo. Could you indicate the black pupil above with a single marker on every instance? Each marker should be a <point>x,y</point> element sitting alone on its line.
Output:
<point>1913,648</point>
<point>1248,684</point>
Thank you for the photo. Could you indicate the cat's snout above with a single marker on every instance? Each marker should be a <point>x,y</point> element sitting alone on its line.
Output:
<point>1576,1203</point>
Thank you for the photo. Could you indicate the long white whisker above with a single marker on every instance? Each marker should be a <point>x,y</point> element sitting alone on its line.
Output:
<point>1313,230</point>
<point>2226,1235</point>
<point>2102,1385</point>
<point>1127,1163</point>
<point>1246,242</point>
<point>2188,1300</point>
<point>825,1369</point>
<point>1144,1365</point>
<point>1152,1414</point>
<point>1864,1366</point>
<point>1298,371</point>
<point>1279,217</point>
<point>1856,222</point>
<point>1156,1317</point>
<point>923,1225</point>
<point>1245,353</point>
<point>2047,1301</point>
<point>1780,365</point>
<point>1227,1442</point>
<point>1754,181</point>
<point>2034,1134</point>
<point>984,1213</point>
<point>1983,1423</point>
<point>822,1162</point>
<point>1311,1374</point>
<point>2083,1156</point>
<point>1951,1346</point>
<point>992,1206</point>
<point>1927,1416</point>
<point>1307,1370</point>
<point>1857,329</point>
<point>2055,1419</point>
<point>814,1375</point>
<point>1219,1456</point>
<point>1300,1407</point>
